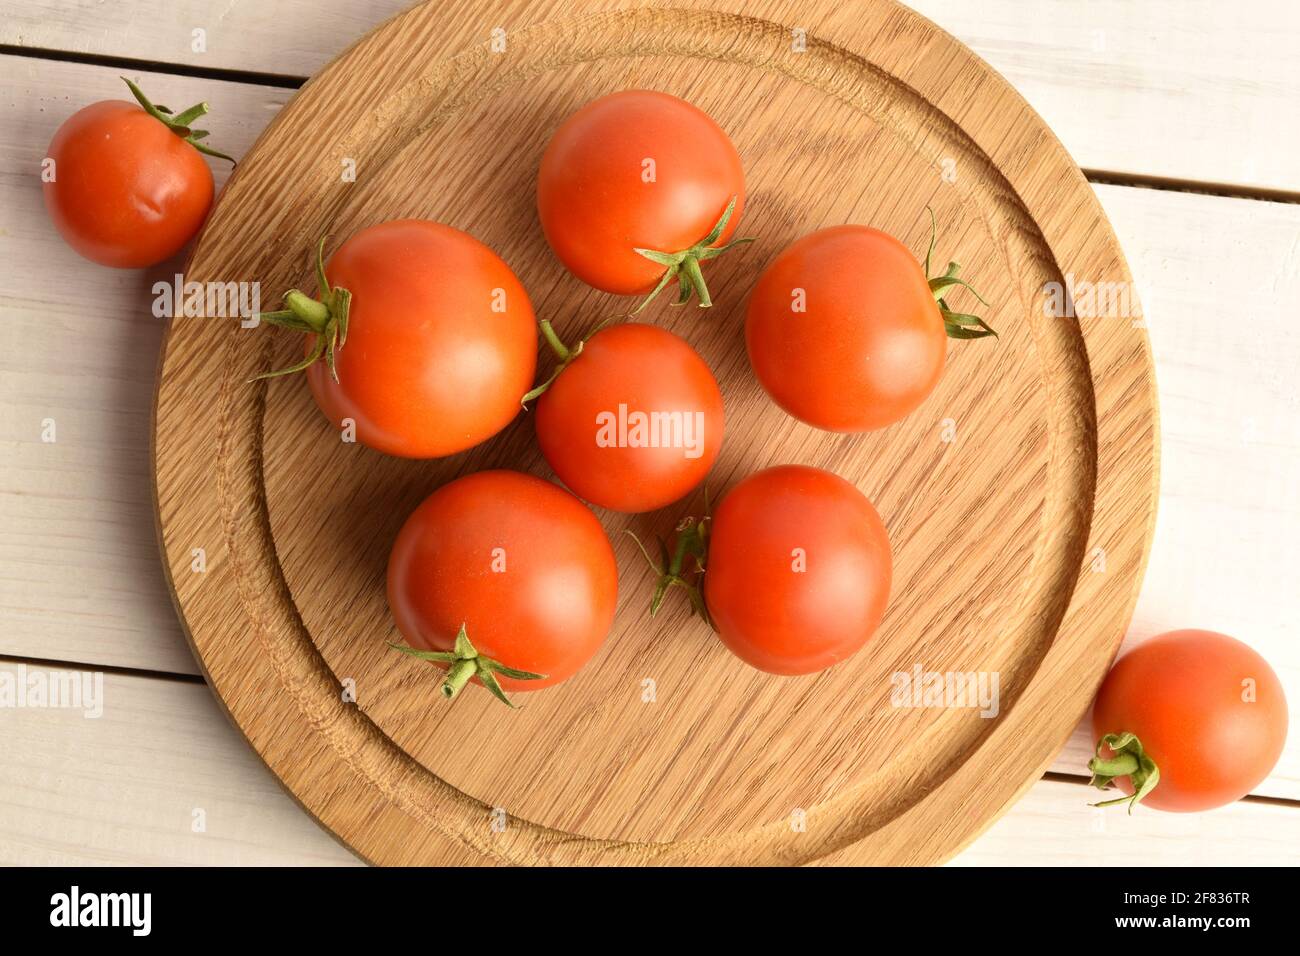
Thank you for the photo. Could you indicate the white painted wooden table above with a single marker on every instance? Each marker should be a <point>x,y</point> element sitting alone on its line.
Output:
<point>1181,111</point>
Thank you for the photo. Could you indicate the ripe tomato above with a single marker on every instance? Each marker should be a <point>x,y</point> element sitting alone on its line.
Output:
<point>427,339</point>
<point>798,569</point>
<point>633,421</point>
<point>522,565</point>
<point>632,189</point>
<point>1204,708</point>
<point>129,187</point>
<point>844,330</point>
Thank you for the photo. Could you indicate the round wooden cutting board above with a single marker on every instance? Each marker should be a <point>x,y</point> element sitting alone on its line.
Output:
<point>1020,498</point>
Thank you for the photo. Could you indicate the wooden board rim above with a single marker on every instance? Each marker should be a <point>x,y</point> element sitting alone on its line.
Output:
<point>880,845</point>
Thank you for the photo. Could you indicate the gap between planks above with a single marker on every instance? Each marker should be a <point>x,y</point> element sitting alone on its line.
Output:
<point>290,82</point>
<point>278,80</point>
<point>50,663</point>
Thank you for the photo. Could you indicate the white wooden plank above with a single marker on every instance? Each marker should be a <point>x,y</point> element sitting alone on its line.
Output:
<point>1216,276</point>
<point>1053,825</point>
<point>160,778</point>
<point>1183,89</point>
<point>124,788</point>
<point>286,37</point>
<point>79,572</point>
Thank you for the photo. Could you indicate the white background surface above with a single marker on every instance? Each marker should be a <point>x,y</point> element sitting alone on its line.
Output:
<point>1196,97</point>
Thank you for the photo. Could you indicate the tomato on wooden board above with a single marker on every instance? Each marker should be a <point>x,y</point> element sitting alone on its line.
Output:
<point>129,188</point>
<point>423,338</point>
<point>633,419</point>
<point>636,189</point>
<point>1188,720</point>
<point>846,332</point>
<point>517,562</point>
<point>796,569</point>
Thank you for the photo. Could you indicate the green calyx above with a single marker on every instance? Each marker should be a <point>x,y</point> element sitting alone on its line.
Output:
<point>464,663</point>
<point>1127,759</point>
<point>682,567</point>
<point>179,123</point>
<point>326,318</point>
<point>684,266</point>
<point>958,325</point>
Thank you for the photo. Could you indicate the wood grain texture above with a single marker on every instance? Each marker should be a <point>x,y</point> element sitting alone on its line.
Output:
<point>1241,498</point>
<point>123,789</point>
<point>1055,460</point>
<point>1152,89</point>
<point>1208,381</point>
<point>78,580</point>
<point>78,574</point>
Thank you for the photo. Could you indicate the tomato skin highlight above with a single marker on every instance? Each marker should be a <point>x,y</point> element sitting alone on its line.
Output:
<point>429,369</point>
<point>595,207</point>
<point>547,612</point>
<point>871,346</point>
<point>772,616</point>
<point>127,191</point>
<point>647,370</point>
<point>1181,694</point>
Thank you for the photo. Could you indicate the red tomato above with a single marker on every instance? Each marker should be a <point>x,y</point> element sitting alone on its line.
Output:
<point>844,332</point>
<point>523,565</point>
<point>130,188</point>
<point>638,170</point>
<point>1205,708</point>
<point>440,339</point>
<point>634,421</point>
<point>798,569</point>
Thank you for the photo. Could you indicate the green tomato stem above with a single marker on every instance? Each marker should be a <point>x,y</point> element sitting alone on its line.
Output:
<point>464,663</point>
<point>1120,765</point>
<point>691,268</point>
<point>553,340</point>
<point>309,310</point>
<point>1128,759</point>
<point>326,318</point>
<point>684,265</point>
<point>178,123</point>
<point>458,675</point>
<point>957,325</point>
<point>563,353</point>
<point>692,542</point>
